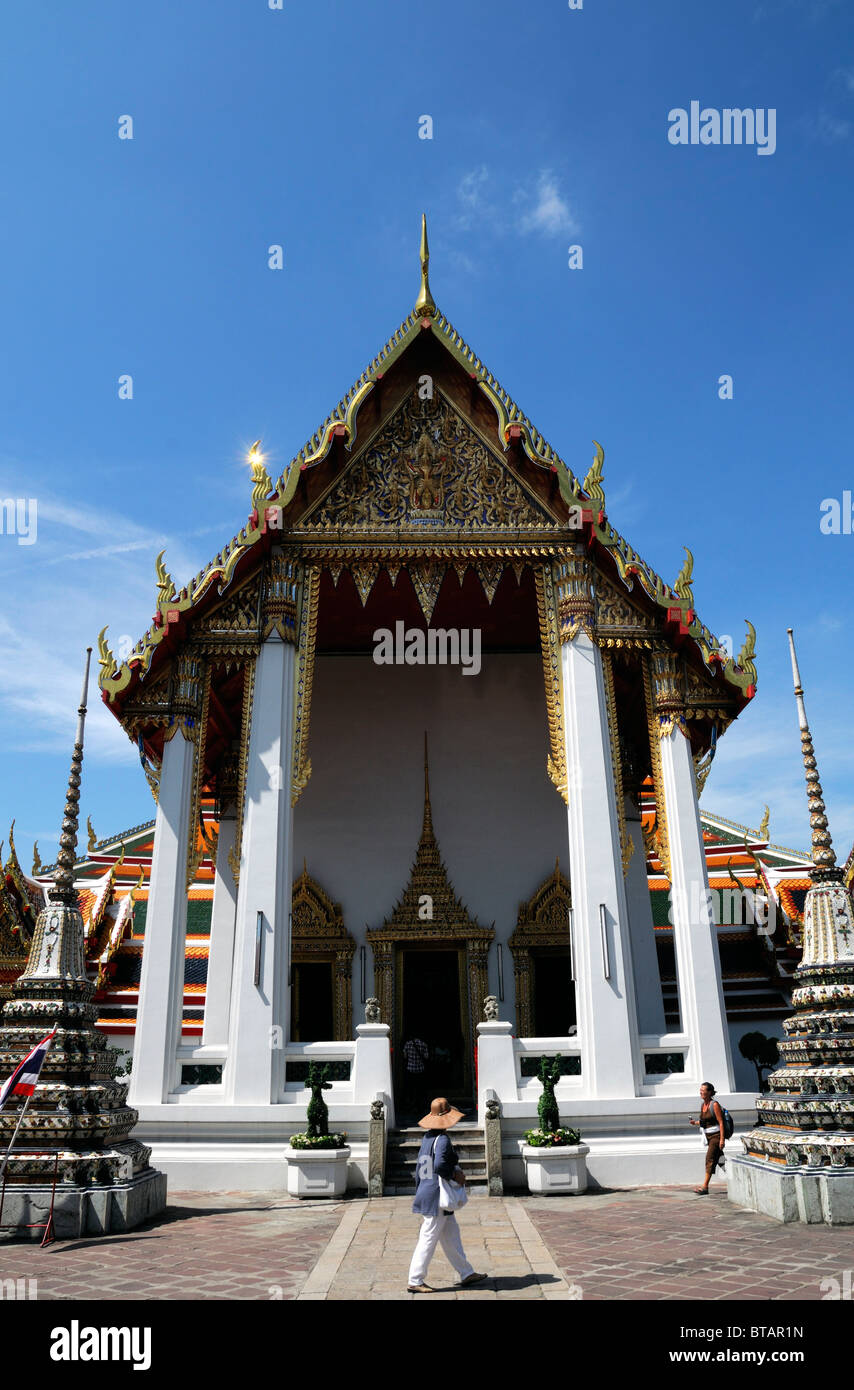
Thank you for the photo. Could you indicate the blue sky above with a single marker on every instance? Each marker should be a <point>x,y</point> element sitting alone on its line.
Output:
<point>299,127</point>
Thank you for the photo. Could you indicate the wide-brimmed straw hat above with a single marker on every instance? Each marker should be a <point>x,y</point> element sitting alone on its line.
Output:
<point>442,1115</point>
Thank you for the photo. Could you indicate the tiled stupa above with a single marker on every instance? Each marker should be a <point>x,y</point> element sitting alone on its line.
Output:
<point>798,1163</point>
<point>78,1112</point>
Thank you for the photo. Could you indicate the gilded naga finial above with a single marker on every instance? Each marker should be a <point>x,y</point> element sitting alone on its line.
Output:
<point>93,839</point>
<point>425,303</point>
<point>765,824</point>
<point>37,860</point>
<point>261,480</point>
<point>165,585</point>
<point>592,484</point>
<point>682,587</point>
<point>105,657</point>
<point>822,846</point>
<point>748,651</point>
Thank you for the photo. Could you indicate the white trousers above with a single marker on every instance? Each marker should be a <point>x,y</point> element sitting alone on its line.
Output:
<point>439,1230</point>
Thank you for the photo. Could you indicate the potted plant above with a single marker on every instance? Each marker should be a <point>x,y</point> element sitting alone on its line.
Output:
<point>555,1160</point>
<point>317,1160</point>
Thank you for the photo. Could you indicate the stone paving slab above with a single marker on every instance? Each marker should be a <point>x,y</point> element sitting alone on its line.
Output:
<point>667,1243</point>
<point>203,1247</point>
<point>498,1238</point>
<point>648,1244</point>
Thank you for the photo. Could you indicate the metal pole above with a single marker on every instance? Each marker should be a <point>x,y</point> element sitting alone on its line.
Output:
<point>14,1136</point>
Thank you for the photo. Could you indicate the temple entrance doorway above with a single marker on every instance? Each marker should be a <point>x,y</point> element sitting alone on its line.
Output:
<point>433,1052</point>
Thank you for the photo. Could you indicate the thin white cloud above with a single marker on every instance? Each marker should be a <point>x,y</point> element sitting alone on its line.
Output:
<point>537,206</point>
<point>547,210</point>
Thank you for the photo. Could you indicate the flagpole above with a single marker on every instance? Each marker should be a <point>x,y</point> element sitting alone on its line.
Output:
<point>14,1136</point>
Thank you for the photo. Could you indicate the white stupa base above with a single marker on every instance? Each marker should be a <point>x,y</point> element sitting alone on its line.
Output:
<point>813,1195</point>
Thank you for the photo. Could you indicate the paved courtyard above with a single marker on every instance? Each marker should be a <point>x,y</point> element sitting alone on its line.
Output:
<point>650,1243</point>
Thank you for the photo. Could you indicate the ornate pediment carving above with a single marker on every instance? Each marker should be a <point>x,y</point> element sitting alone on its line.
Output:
<point>318,933</point>
<point>427,471</point>
<point>619,622</point>
<point>230,629</point>
<point>544,919</point>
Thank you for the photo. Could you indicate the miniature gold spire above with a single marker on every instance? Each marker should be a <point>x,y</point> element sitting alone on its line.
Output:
<point>822,847</point>
<point>425,303</point>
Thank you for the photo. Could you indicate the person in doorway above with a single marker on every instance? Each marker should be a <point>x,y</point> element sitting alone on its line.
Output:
<point>416,1054</point>
<point>438,1159</point>
<point>711,1121</point>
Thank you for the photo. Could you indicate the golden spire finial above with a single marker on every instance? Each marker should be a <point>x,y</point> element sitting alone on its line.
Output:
<point>425,303</point>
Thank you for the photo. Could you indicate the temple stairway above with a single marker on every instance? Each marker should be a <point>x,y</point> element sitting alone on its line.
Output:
<point>402,1147</point>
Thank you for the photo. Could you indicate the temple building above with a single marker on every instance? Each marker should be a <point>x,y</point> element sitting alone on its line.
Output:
<point>428,565</point>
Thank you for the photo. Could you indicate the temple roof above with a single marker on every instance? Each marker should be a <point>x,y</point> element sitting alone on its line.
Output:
<point>511,429</point>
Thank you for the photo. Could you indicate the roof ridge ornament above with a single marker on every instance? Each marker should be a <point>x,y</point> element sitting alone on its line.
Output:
<point>682,586</point>
<point>425,305</point>
<point>592,484</point>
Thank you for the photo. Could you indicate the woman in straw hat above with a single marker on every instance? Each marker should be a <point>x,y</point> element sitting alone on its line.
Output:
<point>437,1159</point>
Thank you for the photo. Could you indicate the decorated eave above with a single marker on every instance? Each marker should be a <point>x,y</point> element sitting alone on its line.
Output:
<point>577,506</point>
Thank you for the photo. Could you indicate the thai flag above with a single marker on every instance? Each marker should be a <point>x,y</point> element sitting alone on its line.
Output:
<point>23,1080</point>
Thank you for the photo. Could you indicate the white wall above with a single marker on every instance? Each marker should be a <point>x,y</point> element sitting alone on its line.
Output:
<point>499,821</point>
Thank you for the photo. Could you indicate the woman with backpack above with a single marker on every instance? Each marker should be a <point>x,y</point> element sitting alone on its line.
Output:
<point>713,1122</point>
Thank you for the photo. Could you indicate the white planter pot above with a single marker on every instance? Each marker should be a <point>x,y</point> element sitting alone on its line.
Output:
<point>559,1169</point>
<point>317,1172</point>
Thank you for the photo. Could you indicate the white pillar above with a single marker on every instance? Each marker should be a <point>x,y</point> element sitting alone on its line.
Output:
<point>650,1003</point>
<point>372,1067</point>
<point>605,994</point>
<point>161,986</point>
<point>698,973</point>
<point>260,1012</point>
<point>221,948</point>
<point>496,1064</point>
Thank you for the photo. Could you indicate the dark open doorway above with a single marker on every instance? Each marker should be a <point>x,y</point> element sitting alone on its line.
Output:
<point>432,1052</point>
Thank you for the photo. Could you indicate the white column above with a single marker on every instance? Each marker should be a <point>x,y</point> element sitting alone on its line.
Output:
<point>372,1067</point>
<point>607,1018</point>
<point>161,986</point>
<point>221,948</point>
<point>650,1004</point>
<point>698,973</point>
<point>260,1012</point>
<point>496,1065</point>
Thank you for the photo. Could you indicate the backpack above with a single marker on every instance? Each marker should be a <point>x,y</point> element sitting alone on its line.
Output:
<point>729,1122</point>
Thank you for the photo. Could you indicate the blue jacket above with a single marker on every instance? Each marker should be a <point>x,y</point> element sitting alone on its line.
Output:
<point>433,1165</point>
